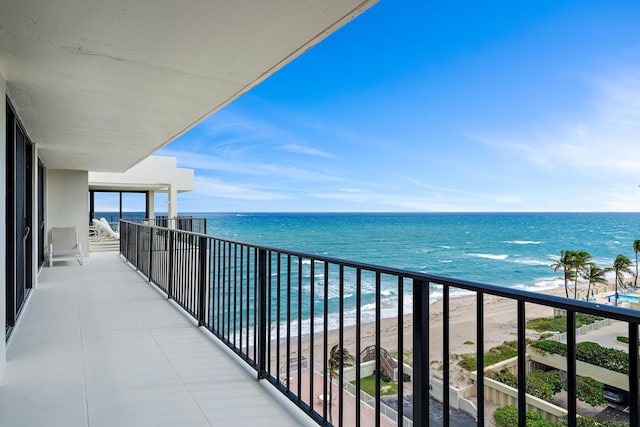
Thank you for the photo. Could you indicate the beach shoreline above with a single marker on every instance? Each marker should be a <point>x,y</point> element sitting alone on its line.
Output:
<point>500,325</point>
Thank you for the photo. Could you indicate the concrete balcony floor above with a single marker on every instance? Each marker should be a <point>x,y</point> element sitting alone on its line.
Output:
<point>98,346</point>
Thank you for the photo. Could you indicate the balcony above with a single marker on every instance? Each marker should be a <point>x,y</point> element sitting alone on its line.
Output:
<point>101,345</point>
<point>98,346</point>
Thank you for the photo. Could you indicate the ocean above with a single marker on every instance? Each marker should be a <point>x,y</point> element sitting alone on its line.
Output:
<point>508,249</point>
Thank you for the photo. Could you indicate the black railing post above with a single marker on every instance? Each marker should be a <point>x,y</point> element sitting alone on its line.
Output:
<point>420,353</point>
<point>123,237</point>
<point>522,365</point>
<point>262,313</point>
<point>202,280</point>
<point>571,368</point>
<point>151,235</point>
<point>170,266</point>
<point>139,244</point>
<point>634,402</point>
<point>480,356</point>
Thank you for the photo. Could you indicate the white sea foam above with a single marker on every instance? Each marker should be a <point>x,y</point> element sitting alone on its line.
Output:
<point>490,256</point>
<point>445,261</point>
<point>523,242</point>
<point>545,283</point>
<point>529,261</point>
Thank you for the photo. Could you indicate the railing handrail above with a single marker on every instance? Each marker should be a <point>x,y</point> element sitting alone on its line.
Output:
<point>618,313</point>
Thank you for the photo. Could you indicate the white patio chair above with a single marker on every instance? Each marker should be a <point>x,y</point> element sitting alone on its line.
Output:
<point>104,230</point>
<point>64,245</point>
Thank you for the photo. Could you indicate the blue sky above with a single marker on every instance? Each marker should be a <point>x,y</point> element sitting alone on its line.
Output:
<point>427,106</point>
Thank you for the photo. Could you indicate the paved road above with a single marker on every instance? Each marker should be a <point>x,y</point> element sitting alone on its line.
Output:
<point>457,418</point>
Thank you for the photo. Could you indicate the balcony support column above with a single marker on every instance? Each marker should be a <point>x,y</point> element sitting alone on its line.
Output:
<point>172,205</point>
<point>150,205</point>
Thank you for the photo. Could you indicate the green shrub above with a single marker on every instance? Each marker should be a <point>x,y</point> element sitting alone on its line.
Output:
<point>587,345</point>
<point>589,422</point>
<point>589,352</point>
<point>384,377</point>
<point>549,346</point>
<point>559,323</point>
<point>590,391</point>
<point>505,351</point>
<point>553,378</point>
<point>542,324</point>
<point>507,416</point>
<point>468,362</point>
<point>538,385</point>
<point>544,385</point>
<point>406,377</point>
<point>504,376</point>
<point>586,319</point>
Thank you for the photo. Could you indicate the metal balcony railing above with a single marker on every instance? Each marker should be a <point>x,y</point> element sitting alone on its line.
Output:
<point>274,308</point>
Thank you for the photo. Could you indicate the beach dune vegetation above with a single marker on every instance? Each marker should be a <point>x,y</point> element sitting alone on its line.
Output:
<point>497,354</point>
<point>559,323</point>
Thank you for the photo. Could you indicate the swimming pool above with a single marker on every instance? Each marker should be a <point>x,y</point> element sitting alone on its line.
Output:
<point>627,298</point>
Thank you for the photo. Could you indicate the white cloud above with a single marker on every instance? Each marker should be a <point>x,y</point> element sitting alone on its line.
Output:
<point>492,197</point>
<point>210,187</point>
<point>213,163</point>
<point>605,139</point>
<point>295,148</point>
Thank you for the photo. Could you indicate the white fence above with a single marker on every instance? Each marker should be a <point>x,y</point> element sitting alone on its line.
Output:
<point>562,337</point>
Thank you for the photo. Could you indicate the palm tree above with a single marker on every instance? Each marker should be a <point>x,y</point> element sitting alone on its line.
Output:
<point>621,265</point>
<point>337,357</point>
<point>564,263</point>
<point>579,261</point>
<point>636,249</point>
<point>594,275</point>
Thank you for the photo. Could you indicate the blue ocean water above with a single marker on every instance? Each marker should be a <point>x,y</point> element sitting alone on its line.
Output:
<point>508,249</point>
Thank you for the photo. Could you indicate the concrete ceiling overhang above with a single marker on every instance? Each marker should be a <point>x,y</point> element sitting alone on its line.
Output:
<point>101,84</point>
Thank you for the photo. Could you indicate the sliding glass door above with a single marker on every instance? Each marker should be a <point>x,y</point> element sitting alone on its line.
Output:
<point>19,205</point>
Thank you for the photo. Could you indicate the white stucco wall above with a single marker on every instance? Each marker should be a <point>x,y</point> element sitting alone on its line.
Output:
<point>3,237</point>
<point>67,202</point>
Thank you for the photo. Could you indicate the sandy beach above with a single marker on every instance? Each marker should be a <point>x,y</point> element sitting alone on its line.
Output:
<point>500,325</point>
